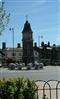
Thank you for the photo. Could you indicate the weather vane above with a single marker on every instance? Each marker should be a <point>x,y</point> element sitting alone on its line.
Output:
<point>26,17</point>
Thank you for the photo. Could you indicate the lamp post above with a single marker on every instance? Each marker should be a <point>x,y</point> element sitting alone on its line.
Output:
<point>39,40</point>
<point>12,29</point>
<point>39,47</point>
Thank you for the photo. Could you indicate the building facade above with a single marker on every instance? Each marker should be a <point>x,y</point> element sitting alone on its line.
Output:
<point>48,56</point>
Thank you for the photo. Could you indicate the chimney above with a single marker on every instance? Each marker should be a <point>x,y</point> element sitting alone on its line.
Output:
<point>35,44</point>
<point>18,45</point>
<point>3,45</point>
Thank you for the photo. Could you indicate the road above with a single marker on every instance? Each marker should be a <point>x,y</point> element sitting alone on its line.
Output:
<point>47,73</point>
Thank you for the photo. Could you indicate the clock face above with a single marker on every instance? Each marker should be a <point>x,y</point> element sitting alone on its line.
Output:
<point>27,36</point>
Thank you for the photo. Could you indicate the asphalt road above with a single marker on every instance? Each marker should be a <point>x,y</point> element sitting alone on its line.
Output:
<point>47,73</point>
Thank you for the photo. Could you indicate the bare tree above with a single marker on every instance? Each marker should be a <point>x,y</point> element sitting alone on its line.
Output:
<point>4,18</point>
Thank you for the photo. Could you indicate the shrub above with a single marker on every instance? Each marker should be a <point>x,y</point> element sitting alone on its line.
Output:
<point>18,89</point>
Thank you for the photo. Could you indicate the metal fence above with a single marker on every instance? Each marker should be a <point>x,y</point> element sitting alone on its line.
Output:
<point>48,89</point>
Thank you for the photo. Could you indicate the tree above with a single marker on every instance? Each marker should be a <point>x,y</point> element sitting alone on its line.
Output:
<point>4,18</point>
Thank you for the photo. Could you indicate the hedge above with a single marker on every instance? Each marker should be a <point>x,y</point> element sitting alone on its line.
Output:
<point>18,89</point>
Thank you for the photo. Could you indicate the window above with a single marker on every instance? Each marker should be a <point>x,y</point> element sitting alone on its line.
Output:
<point>35,53</point>
<point>13,54</point>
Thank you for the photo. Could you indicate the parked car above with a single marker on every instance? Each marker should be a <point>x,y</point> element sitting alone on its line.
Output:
<point>36,65</point>
<point>28,68</point>
<point>11,66</point>
<point>41,65</point>
<point>19,67</point>
<point>0,65</point>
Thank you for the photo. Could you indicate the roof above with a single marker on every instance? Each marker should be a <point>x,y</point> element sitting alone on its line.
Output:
<point>15,49</point>
<point>27,27</point>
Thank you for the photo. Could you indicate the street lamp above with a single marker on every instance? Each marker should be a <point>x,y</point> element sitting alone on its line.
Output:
<point>12,29</point>
<point>39,39</point>
<point>39,46</point>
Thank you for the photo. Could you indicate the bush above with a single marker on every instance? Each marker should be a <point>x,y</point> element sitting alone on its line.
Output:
<point>18,89</point>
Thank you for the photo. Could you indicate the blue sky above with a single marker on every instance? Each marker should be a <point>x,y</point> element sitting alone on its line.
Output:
<point>43,16</point>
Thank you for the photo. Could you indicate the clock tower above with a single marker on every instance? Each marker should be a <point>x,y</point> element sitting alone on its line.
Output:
<point>27,43</point>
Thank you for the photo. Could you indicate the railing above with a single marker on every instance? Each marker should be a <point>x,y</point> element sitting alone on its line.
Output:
<point>48,89</point>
